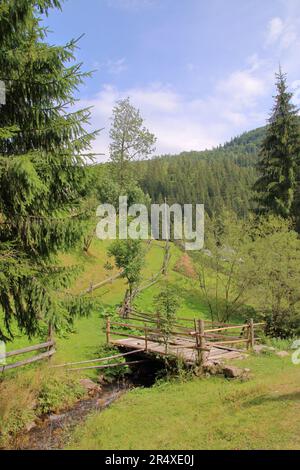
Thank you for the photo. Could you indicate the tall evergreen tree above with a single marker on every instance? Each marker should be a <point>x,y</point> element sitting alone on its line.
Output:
<point>279,155</point>
<point>43,180</point>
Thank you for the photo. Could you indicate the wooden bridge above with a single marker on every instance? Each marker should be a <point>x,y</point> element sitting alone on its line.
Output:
<point>190,340</point>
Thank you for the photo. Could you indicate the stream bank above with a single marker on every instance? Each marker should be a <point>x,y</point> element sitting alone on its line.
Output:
<point>52,432</point>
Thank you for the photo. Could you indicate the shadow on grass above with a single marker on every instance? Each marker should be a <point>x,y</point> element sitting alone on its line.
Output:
<point>261,400</point>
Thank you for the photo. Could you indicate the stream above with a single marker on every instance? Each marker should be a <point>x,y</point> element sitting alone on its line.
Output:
<point>53,432</point>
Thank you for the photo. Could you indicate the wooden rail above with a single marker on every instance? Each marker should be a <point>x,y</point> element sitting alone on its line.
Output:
<point>49,345</point>
<point>200,337</point>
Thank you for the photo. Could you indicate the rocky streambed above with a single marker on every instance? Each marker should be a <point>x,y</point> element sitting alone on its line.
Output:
<point>52,432</point>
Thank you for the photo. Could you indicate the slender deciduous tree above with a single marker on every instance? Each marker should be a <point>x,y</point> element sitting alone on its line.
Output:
<point>129,257</point>
<point>130,141</point>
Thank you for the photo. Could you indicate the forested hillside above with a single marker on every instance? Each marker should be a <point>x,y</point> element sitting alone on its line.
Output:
<point>222,177</point>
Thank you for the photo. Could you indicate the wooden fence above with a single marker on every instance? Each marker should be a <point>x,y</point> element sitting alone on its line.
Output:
<point>50,350</point>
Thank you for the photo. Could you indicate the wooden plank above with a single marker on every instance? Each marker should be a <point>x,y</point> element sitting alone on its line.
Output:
<point>229,342</point>
<point>212,336</point>
<point>236,327</point>
<point>36,347</point>
<point>101,359</point>
<point>102,283</point>
<point>182,328</point>
<point>228,348</point>
<point>232,327</point>
<point>153,347</point>
<point>150,330</point>
<point>106,366</point>
<point>133,327</point>
<point>188,345</point>
<point>126,335</point>
<point>39,357</point>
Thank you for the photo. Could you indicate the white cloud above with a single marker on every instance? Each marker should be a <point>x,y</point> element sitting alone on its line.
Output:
<point>287,46</point>
<point>243,88</point>
<point>114,67</point>
<point>130,4</point>
<point>236,103</point>
<point>185,123</point>
<point>275,30</point>
<point>284,33</point>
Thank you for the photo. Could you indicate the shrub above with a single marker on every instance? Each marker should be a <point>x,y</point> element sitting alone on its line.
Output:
<point>59,390</point>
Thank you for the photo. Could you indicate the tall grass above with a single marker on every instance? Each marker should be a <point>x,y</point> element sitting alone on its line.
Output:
<point>26,396</point>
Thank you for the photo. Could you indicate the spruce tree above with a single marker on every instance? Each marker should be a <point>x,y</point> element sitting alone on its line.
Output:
<point>44,149</point>
<point>279,155</point>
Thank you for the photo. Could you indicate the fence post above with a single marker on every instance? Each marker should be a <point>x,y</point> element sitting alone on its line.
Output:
<point>251,334</point>
<point>50,331</point>
<point>197,341</point>
<point>146,339</point>
<point>202,342</point>
<point>50,337</point>
<point>158,320</point>
<point>108,330</point>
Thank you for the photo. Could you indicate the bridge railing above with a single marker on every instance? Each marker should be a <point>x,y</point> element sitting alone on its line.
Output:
<point>196,334</point>
<point>146,333</point>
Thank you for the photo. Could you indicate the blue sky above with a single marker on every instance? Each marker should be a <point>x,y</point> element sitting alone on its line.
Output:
<point>200,71</point>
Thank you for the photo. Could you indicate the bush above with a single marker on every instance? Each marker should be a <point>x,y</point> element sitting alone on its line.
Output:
<point>58,391</point>
<point>113,373</point>
<point>283,325</point>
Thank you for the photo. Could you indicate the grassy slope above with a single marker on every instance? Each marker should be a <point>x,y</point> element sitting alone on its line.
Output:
<point>204,414</point>
<point>88,333</point>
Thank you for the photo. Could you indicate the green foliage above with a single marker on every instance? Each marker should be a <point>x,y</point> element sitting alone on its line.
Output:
<point>275,264</point>
<point>167,304</point>
<point>279,156</point>
<point>44,186</point>
<point>56,392</point>
<point>251,268</point>
<point>224,276</point>
<point>117,372</point>
<point>129,256</point>
<point>108,190</point>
